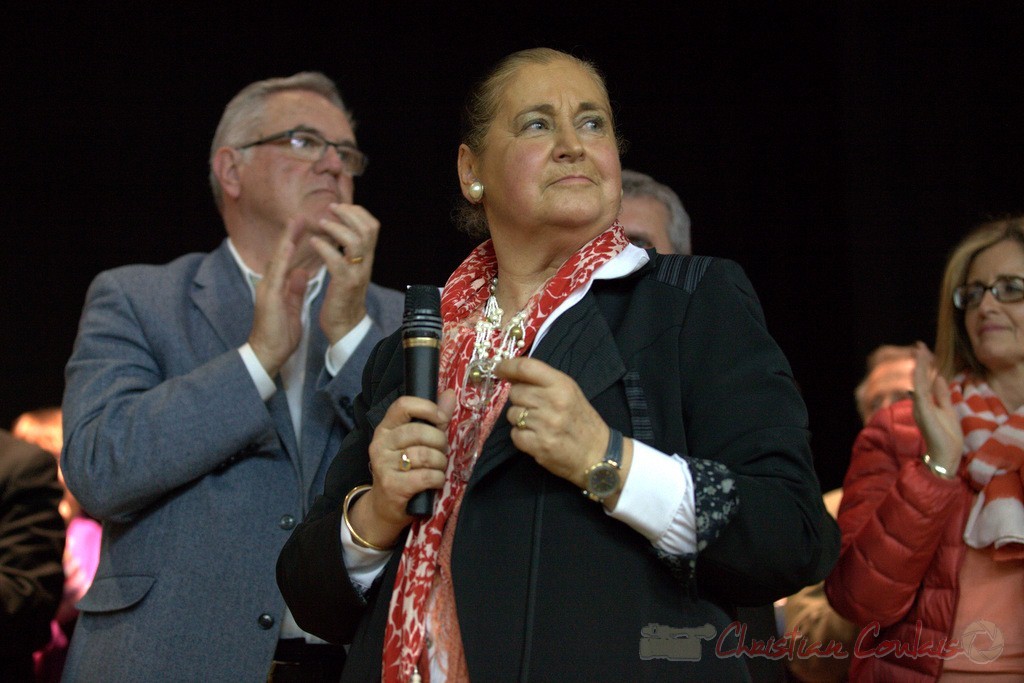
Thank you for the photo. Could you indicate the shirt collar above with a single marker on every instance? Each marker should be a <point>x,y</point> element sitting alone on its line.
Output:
<point>627,261</point>
<point>252,277</point>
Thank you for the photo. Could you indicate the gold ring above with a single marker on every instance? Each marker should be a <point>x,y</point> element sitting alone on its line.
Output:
<point>521,422</point>
<point>355,260</point>
<point>406,464</point>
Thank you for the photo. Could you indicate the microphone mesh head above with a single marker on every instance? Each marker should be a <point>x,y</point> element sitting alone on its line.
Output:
<point>422,312</point>
<point>422,298</point>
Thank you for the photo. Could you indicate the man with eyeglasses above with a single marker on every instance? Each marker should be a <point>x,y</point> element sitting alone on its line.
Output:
<point>205,398</point>
<point>652,215</point>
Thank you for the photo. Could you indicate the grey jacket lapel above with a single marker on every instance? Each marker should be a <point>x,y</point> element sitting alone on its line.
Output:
<point>220,293</point>
<point>318,416</point>
<point>223,297</point>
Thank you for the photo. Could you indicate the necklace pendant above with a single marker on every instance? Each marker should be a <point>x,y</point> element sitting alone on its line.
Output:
<point>466,468</point>
<point>476,373</point>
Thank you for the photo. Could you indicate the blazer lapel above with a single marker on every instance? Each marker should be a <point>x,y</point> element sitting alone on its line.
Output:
<point>221,294</point>
<point>278,407</point>
<point>319,420</point>
<point>579,344</point>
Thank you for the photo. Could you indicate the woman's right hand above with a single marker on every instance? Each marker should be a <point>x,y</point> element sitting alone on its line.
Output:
<point>934,414</point>
<point>379,515</point>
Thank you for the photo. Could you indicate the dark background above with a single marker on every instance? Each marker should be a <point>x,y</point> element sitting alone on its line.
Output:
<point>837,150</point>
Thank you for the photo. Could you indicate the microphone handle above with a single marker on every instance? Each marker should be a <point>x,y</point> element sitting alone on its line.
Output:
<point>421,505</point>
<point>421,383</point>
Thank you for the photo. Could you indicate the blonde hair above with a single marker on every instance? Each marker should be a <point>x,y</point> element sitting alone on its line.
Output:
<point>482,105</point>
<point>953,351</point>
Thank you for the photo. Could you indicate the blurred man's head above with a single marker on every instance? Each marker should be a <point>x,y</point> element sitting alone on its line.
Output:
<point>889,378</point>
<point>653,216</point>
<point>44,428</point>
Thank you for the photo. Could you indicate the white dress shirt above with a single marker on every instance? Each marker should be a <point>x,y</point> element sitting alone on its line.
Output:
<point>293,374</point>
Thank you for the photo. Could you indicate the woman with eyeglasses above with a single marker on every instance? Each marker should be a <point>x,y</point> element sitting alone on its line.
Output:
<point>932,518</point>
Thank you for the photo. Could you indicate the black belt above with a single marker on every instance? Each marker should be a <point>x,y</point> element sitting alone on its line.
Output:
<point>295,660</point>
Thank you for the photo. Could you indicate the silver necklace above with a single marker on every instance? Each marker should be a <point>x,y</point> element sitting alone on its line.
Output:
<point>486,353</point>
<point>489,349</point>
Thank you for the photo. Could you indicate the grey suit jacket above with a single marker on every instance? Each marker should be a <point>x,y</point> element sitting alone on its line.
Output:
<point>197,481</point>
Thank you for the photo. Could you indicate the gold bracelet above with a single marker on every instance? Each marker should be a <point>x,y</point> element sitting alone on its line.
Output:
<point>937,469</point>
<point>356,538</point>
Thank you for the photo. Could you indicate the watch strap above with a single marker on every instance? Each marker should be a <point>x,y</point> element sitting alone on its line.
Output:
<point>613,453</point>
<point>612,461</point>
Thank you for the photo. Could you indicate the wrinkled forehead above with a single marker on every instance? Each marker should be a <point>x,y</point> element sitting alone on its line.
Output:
<point>290,109</point>
<point>560,83</point>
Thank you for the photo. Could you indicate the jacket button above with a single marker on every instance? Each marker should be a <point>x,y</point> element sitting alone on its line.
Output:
<point>286,522</point>
<point>265,621</point>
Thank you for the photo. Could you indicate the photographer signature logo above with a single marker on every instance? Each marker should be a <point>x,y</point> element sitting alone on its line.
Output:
<point>981,642</point>
<point>675,644</point>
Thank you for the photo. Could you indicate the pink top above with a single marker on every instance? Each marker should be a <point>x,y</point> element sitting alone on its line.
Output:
<point>989,620</point>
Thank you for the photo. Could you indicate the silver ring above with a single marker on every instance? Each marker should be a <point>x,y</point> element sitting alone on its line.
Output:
<point>406,464</point>
<point>521,422</point>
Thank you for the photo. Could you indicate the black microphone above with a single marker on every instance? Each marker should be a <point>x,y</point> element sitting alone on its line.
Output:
<point>421,341</point>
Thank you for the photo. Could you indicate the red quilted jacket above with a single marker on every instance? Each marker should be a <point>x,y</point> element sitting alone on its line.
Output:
<point>902,547</point>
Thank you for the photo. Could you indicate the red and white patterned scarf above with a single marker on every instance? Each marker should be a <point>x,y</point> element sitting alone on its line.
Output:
<point>994,455</point>
<point>462,303</point>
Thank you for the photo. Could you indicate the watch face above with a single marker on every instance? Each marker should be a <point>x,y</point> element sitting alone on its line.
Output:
<point>603,480</point>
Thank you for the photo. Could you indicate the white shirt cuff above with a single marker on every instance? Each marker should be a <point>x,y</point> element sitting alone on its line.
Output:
<point>657,500</point>
<point>339,352</point>
<point>363,564</point>
<point>264,382</point>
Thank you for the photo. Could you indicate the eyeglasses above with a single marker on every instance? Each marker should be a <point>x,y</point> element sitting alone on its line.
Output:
<point>311,146</point>
<point>1006,289</point>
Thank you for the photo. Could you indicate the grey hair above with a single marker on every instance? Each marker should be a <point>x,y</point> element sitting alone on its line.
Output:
<point>635,184</point>
<point>243,114</point>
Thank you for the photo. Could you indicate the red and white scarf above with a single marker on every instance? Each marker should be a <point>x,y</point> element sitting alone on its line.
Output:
<point>994,455</point>
<point>462,303</point>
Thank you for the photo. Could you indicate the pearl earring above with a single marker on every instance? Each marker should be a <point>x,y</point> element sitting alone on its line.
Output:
<point>476,191</point>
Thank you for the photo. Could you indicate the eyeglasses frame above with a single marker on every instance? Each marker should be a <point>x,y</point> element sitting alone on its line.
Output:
<point>339,147</point>
<point>960,293</point>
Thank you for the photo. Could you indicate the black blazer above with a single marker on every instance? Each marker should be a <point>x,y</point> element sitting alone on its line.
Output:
<point>549,587</point>
<point>31,545</point>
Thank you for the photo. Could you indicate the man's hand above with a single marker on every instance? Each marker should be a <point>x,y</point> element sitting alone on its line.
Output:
<point>277,319</point>
<point>346,245</point>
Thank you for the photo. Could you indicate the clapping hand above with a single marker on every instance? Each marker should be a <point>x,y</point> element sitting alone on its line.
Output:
<point>934,414</point>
